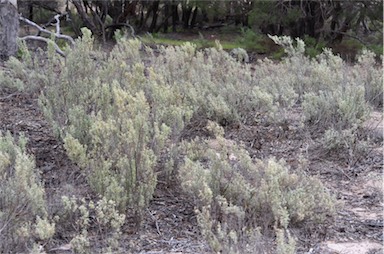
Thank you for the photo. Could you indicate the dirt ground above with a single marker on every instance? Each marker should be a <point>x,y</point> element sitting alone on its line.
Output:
<point>171,227</point>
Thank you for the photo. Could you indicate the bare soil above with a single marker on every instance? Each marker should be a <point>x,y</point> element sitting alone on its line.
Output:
<point>170,225</point>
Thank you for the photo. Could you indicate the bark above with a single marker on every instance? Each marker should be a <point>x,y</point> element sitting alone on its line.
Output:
<point>9,28</point>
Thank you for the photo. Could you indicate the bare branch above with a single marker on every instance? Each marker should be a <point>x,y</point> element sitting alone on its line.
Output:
<point>57,18</point>
<point>46,40</point>
<point>43,30</point>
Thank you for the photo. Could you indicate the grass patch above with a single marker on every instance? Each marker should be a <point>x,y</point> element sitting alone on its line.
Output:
<point>152,39</point>
<point>249,41</point>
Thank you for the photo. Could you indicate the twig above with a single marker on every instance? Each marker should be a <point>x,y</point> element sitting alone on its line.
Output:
<point>155,220</point>
<point>5,225</point>
<point>9,96</point>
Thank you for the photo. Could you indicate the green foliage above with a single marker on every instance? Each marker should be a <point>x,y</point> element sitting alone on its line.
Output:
<point>231,189</point>
<point>251,40</point>
<point>313,47</point>
<point>159,39</point>
<point>263,11</point>
<point>23,214</point>
<point>377,49</point>
<point>15,74</point>
<point>225,92</point>
<point>78,213</point>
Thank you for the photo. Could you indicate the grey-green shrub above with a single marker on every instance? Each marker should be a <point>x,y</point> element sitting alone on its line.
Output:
<point>106,219</point>
<point>206,83</point>
<point>213,83</point>
<point>333,94</point>
<point>347,143</point>
<point>340,108</point>
<point>231,189</point>
<point>23,214</point>
<point>370,76</point>
<point>117,112</point>
<point>77,212</point>
<point>114,125</point>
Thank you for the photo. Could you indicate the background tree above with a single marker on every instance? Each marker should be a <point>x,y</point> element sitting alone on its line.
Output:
<point>328,22</point>
<point>9,27</point>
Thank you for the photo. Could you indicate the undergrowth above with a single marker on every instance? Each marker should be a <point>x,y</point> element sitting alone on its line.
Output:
<point>237,197</point>
<point>121,113</point>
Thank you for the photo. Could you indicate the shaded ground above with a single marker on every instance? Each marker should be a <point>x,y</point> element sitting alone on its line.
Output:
<point>171,227</point>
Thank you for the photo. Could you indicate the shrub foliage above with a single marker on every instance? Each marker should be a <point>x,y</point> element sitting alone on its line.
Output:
<point>236,195</point>
<point>120,112</point>
<point>23,214</point>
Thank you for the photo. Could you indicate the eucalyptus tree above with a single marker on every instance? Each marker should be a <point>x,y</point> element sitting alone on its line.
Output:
<point>9,27</point>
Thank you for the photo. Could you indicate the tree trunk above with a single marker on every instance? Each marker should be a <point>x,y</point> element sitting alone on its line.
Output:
<point>30,11</point>
<point>187,11</point>
<point>154,16</point>
<point>166,17</point>
<point>82,9</point>
<point>194,16</point>
<point>9,28</point>
<point>175,16</point>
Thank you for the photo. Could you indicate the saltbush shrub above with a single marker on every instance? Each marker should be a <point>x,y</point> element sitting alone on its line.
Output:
<point>118,112</point>
<point>115,124</point>
<point>216,85</point>
<point>370,75</point>
<point>332,93</point>
<point>102,215</point>
<point>346,143</point>
<point>235,194</point>
<point>23,215</point>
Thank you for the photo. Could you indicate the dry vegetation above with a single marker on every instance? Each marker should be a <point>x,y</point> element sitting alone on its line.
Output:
<point>237,143</point>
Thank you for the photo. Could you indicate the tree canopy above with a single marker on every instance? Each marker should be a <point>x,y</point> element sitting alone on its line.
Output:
<point>327,20</point>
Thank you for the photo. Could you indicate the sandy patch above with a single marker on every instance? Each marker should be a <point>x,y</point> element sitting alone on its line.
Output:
<point>352,247</point>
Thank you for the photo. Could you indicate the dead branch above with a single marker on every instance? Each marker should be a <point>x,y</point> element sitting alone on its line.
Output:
<point>43,30</point>
<point>57,34</point>
<point>46,40</point>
